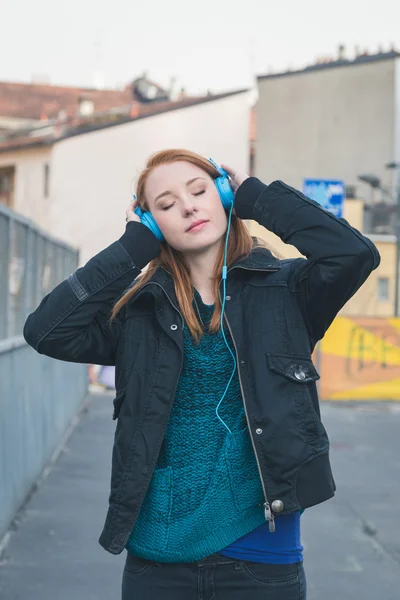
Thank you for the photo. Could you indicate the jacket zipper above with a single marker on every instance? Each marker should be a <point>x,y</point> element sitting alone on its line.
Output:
<point>269,516</point>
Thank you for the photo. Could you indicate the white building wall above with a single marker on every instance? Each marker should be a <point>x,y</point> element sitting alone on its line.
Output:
<point>92,174</point>
<point>29,192</point>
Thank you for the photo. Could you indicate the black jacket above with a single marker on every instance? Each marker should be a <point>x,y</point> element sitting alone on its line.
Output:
<point>276,312</point>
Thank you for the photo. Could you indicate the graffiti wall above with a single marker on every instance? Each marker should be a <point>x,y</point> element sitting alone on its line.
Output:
<point>359,359</point>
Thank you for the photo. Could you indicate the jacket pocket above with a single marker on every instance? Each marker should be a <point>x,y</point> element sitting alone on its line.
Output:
<point>243,473</point>
<point>300,374</point>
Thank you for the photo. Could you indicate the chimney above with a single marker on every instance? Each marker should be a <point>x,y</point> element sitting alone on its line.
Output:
<point>172,87</point>
<point>134,110</point>
<point>341,52</point>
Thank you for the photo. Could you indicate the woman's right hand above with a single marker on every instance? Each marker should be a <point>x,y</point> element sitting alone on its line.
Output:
<point>130,214</point>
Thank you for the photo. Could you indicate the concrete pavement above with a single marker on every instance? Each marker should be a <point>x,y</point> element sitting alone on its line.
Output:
<point>54,554</point>
<point>352,543</point>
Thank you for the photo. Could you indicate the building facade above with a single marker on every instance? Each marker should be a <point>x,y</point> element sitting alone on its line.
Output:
<point>334,120</point>
<point>78,185</point>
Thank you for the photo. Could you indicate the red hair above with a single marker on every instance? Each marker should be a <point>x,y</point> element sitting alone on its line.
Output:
<point>240,244</point>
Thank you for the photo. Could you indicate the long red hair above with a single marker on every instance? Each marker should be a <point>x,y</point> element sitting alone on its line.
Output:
<point>240,244</point>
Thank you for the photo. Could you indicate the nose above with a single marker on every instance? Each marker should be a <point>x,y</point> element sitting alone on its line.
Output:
<point>188,207</point>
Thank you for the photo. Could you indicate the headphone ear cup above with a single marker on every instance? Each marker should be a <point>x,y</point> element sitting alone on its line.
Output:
<point>147,219</point>
<point>225,191</point>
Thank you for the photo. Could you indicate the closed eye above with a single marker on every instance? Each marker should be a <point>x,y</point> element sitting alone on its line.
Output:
<point>196,194</point>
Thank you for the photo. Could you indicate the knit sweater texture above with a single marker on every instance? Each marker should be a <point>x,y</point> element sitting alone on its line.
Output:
<point>205,492</point>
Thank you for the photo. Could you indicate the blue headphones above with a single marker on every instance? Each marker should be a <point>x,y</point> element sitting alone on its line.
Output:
<point>227,198</point>
<point>225,193</point>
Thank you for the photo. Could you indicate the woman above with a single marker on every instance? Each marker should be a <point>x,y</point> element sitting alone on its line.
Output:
<point>219,445</point>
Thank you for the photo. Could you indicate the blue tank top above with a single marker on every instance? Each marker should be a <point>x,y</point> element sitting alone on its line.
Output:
<point>260,545</point>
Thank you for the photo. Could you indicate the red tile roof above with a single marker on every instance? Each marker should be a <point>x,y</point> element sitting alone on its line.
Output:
<point>80,125</point>
<point>36,101</point>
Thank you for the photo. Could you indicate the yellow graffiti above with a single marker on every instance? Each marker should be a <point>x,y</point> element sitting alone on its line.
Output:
<point>395,323</point>
<point>344,337</point>
<point>382,390</point>
<point>360,359</point>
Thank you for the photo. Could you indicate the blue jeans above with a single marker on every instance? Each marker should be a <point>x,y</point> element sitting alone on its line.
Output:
<point>213,578</point>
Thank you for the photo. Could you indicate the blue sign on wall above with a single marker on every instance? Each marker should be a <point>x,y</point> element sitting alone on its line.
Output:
<point>329,193</point>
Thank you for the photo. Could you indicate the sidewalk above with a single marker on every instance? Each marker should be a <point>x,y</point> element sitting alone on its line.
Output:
<point>351,543</point>
<point>55,554</point>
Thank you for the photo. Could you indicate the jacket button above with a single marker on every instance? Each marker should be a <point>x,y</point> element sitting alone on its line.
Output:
<point>277,506</point>
<point>228,297</point>
<point>174,327</point>
<point>258,431</point>
<point>299,373</point>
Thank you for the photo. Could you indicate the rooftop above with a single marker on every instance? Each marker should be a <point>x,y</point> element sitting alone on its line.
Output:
<point>43,101</point>
<point>78,125</point>
<point>324,64</point>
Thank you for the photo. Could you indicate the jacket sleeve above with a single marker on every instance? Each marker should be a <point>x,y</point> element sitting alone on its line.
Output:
<point>338,257</point>
<point>72,322</point>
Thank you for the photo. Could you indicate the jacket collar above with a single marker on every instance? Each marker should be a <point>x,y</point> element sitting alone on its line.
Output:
<point>260,259</point>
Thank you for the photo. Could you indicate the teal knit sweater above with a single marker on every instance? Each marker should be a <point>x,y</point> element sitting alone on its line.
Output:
<point>206,491</point>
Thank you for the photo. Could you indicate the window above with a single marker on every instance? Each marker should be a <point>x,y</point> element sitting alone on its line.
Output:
<point>46,177</point>
<point>383,289</point>
<point>7,185</point>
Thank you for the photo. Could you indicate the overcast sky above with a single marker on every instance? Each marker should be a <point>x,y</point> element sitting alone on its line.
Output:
<point>207,45</point>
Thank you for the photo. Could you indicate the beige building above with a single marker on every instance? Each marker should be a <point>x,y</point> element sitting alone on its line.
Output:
<point>77,183</point>
<point>338,119</point>
<point>331,120</point>
<point>376,297</point>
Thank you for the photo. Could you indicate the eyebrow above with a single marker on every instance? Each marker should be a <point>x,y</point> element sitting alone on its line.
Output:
<point>167,192</point>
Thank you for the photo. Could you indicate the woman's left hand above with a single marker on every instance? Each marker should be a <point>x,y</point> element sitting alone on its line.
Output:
<point>236,177</point>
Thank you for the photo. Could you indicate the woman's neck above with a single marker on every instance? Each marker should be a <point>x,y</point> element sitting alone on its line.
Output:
<point>201,267</point>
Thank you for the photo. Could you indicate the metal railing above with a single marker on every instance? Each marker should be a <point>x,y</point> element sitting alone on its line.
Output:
<point>39,396</point>
<point>31,264</point>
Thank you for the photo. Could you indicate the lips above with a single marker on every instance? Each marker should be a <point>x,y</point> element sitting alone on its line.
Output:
<point>196,223</point>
